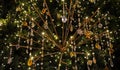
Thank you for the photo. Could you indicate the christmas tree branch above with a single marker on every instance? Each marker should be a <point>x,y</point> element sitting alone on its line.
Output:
<point>59,64</point>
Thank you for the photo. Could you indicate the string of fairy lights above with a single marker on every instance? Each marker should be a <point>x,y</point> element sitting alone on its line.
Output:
<point>62,43</point>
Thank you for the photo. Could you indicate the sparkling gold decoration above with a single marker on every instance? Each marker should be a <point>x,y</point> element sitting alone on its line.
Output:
<point>89,62</point>
<point>100,25</point>
<point>97,46</point>
<point>18,9</point>
<point>111,45</point>
<point>25,23</point>
<point>44,10</point>
<point>71,28</point>
<point>58,15</point>
<point>88,34</point>
<point>30,62</point>
<point>72,54</point>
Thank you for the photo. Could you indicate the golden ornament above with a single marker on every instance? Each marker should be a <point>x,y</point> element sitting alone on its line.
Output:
<point>111,46</point>
<point>25,23</point>
<point>97,46</point>
<point>89,62</point>
<point>111,50</point>
<point>44,10</point>
<point>88,34</point>
<point>72,54</point>
<point>71,28</point>
<point>18,9</point>
<point>58,15</point>
<point>96,37</point>
<point>30,62</point>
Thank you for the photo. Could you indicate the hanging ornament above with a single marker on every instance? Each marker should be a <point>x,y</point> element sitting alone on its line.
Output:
<point>32,25</point>
<point>111,51</point>
<point>44,10</point>
<point>30,62</point>
<point>111,46</point>
<point>46,25</point>
<point>100,25</point>
<point>64,19</point>
<point>96,37</point>
<point>97,46</point>
<point>58,15</point>
<point>89,62</point>
<point>25,23</point>
<point>94,60</point>
<point>18,9</point>
<point>111,63</point>
<point>72,54</point>
<point>88,34</point>
<point>9,60</point>
<point>71,27</point>
<point>80,32</point>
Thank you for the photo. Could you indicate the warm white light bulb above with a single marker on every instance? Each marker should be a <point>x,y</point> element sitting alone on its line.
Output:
<point>43,33</point>
<point>63,0</point>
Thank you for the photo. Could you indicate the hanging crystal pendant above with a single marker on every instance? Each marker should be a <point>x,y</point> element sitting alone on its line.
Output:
<point>64,19</point>
<point>71,28</point>
<point>100,25</point>
<point>79,31</point>
<point>46,25</point>
<point>111,63</point>
<point>9,60</point>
